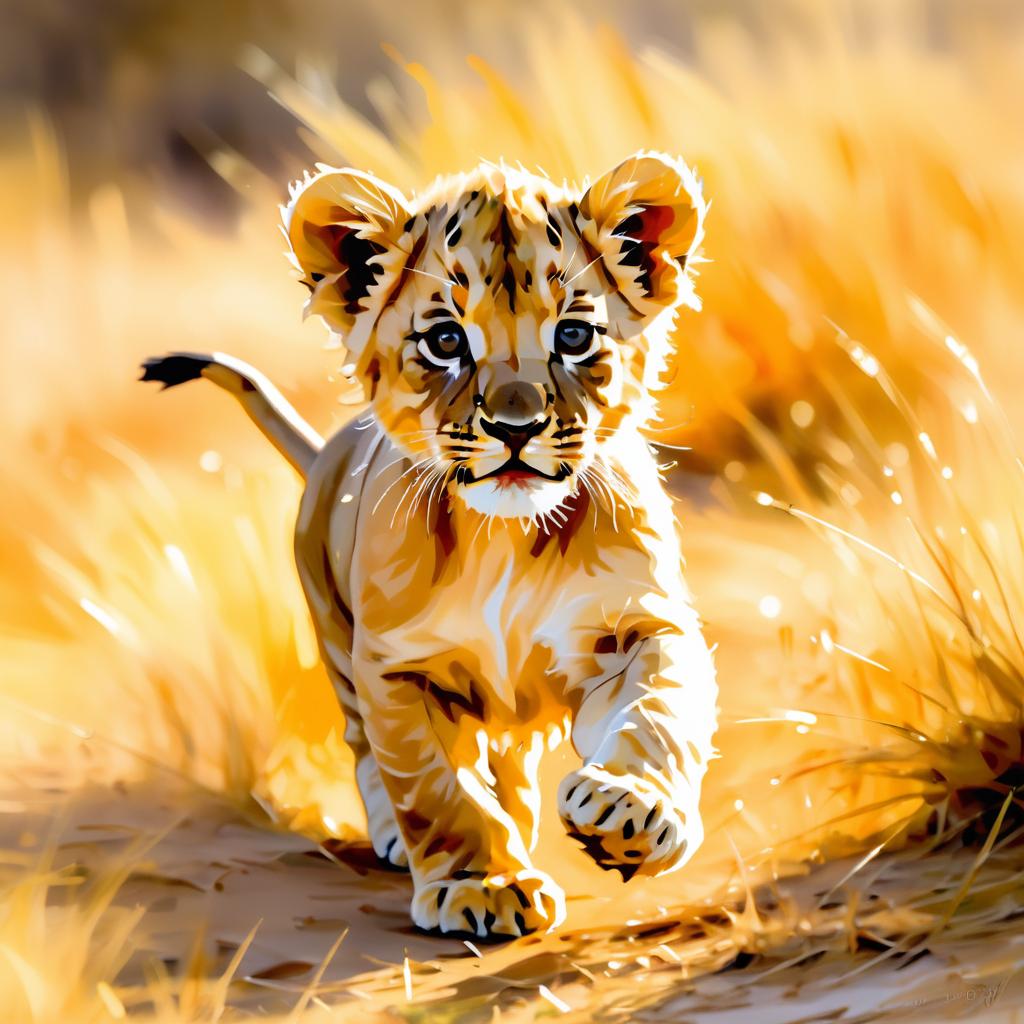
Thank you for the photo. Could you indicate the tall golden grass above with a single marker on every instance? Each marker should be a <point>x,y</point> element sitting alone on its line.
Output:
<point>851,501</point>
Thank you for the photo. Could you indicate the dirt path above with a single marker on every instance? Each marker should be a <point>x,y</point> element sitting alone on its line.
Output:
<point>211,882</point>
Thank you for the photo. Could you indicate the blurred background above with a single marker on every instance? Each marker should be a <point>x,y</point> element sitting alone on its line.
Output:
<point>144,92</point>
<point>842,415</point>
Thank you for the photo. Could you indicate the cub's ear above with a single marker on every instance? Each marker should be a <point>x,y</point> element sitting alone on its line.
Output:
<point>345,231</point>
<point>646,219</point>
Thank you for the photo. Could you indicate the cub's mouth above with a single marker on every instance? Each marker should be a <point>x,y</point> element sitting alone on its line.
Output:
<point>512,477</point>
<point>517,472</point>
<point>515,489</point>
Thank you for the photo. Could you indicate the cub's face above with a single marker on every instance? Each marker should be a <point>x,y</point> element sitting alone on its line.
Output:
<point>507,330</point>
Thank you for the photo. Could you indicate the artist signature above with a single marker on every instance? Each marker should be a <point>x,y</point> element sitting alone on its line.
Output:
<point>981,995</point>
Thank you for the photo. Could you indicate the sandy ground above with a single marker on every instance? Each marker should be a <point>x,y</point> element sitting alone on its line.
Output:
<point>211,881</point>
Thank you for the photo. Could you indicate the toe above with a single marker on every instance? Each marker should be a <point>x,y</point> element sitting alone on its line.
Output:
<point>390,851</point>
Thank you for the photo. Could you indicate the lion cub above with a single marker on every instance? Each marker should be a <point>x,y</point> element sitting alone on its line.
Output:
<point>490,556</point>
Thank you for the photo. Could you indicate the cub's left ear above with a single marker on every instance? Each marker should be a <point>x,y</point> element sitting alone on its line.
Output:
<point>347,233</point>
<point>646,219</point>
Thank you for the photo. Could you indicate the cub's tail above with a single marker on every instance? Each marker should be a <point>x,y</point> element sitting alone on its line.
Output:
<point>295,439</point>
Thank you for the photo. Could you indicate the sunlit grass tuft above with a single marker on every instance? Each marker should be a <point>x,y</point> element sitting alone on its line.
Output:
<point>62,943</point>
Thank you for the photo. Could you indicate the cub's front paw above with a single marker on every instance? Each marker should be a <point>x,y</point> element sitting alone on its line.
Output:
<point>626,824</point>
<point>491,906</point>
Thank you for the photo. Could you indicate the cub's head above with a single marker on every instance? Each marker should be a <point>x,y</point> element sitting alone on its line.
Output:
<point>507,330</point>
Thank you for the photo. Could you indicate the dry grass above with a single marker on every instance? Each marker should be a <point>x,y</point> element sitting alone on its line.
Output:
<point>852,505</point>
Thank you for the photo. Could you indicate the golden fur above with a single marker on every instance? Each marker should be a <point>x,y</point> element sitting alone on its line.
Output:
<point>489,556</point>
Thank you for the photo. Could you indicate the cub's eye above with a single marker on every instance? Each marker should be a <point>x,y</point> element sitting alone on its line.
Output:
<point>574,338</point>
<point>445,344</point>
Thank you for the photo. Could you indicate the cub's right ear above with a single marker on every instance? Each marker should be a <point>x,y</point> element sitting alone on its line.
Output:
<point>344,228</point>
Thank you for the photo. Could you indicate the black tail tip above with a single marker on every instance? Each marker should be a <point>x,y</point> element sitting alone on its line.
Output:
<point>170,371</point>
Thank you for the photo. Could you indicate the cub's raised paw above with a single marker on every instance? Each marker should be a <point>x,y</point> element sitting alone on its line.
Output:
<point>625,823</point>
<point>491,906</point>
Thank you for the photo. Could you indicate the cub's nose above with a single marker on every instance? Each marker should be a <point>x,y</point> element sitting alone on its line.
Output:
<point>514,413</point>
<point>513,434</point>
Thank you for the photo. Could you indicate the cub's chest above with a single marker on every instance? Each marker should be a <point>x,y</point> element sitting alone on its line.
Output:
<point>489,596</point>
<point>525,627</point>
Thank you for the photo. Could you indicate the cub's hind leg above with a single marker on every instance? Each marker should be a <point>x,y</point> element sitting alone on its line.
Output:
<point>384,833</point>
<point>315,530</point>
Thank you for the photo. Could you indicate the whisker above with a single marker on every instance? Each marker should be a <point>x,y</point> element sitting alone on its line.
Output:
<point>401,476</point>
<point>483,520</point>
<point>393,462</point>
<point>411,489</point>
<point>440,488</point>
<point>426,273</point>
<point>565,284</point>
<point>401,501</point>
<point>436,487</point>
<point>593,501</point>
<point>622,483</point>
<point>599,490</point>
<point>608,486</point>
<point>568,266</point>
<point>609,491</point>
<point>426,479</point>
